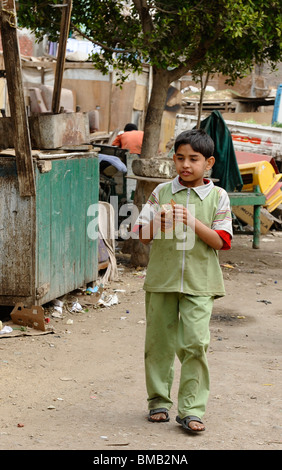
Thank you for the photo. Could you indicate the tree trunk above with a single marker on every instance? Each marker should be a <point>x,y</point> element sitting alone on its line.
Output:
<point>204,83</point>
<point>150,148</point>
<point>152,128</point>
<point>140,252</point>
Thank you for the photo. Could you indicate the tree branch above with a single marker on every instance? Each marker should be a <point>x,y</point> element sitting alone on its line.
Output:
<point>143,9</point>
<point>102,45</point>
<point>198,55</point>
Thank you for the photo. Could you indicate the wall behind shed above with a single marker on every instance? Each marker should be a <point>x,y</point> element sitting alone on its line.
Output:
<point>91,95</point>
<point>117,106</point>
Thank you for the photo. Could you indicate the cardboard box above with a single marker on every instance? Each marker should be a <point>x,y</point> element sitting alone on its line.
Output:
<point>245,213</point>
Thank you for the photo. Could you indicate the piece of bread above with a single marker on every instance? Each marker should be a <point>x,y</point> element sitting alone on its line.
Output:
<point>168,209</point>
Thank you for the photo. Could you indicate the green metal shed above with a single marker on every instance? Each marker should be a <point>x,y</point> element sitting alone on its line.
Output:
<point>45,251</point>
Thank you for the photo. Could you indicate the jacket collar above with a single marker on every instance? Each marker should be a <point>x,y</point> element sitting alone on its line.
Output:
<point>202,191</point>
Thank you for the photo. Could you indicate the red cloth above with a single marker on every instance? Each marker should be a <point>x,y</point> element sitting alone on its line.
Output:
<point>131,140</point>
<point>226,237</point>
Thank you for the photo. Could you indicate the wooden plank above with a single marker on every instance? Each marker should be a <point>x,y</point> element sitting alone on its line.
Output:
<point>140,98</point>
<point>45,64</point>
<point>17,236</point>
<point>148,178</point>
<point>16,98</point>
<point>247,199</point>
<point>64,31</point>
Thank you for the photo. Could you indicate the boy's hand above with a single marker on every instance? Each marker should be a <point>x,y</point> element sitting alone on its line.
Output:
<point>181,214</point>
<point>208,235</point>
<point>162,221</point>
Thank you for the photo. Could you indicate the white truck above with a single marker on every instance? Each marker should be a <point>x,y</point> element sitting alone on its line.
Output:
<point>254,138</point>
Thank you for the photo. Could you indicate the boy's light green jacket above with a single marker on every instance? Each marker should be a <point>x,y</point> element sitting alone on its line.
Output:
<point>179,260</point>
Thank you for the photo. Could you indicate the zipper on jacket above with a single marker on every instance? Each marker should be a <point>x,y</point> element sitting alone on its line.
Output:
<point>184,243</point>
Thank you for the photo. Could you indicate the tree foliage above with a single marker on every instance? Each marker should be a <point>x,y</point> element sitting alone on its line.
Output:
<point>173,36</point>
<point>223,34</point>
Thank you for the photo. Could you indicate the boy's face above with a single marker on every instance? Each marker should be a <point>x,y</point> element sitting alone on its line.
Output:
<point>191,165</point>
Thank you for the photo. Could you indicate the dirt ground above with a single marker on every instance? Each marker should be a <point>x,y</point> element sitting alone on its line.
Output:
<point>82,386</point>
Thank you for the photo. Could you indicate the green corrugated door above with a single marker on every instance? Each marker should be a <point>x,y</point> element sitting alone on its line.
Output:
<point>66,258</point>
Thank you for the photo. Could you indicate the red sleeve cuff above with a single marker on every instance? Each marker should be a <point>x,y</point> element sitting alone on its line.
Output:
<point>136,228</point>
<point>226,237</point>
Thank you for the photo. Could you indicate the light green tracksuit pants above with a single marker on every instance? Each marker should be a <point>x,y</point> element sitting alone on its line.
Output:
<point>177,324</point>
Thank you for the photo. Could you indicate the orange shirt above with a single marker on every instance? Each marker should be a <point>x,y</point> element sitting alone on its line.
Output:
<point>131,140</point>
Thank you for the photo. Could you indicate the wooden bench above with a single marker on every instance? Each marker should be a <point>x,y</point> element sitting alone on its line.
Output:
<point>255,199</point>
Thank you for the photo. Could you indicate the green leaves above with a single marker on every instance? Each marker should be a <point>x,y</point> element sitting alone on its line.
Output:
<point>220,35</point>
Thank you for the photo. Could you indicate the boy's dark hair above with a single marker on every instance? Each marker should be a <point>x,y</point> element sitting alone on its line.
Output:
<point>199,140</point>
<point>130,127</point>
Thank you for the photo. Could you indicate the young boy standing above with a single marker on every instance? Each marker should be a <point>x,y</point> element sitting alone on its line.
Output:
<point>183,278</point>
